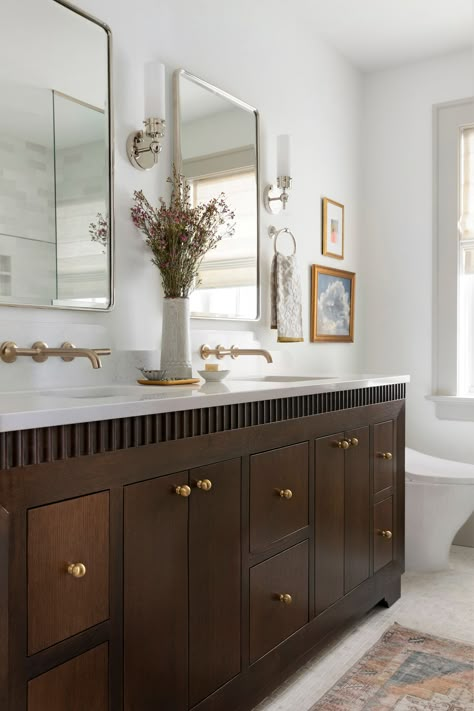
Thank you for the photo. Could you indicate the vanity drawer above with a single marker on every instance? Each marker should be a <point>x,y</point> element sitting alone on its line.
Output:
<point>383,456</point>
<point>273,615</point>
<point>383,533</point>
<point>79,684</point>
<point>278,494</point>
<point>63,600</point>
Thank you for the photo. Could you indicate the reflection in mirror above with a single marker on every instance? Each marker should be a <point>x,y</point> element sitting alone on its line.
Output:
<point>55,167</point>
<point>217,151</point>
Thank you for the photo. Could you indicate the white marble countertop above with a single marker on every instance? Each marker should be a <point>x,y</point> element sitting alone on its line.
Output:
<point>45,408</point>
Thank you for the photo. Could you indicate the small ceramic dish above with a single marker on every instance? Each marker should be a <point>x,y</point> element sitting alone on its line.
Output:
<point>153,374</point>
<point>213,376</point>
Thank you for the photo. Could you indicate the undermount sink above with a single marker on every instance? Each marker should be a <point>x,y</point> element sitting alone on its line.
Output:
<point>284,378</point>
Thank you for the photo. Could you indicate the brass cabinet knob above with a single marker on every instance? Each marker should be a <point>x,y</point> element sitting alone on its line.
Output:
<point>343,444</point>
<point>386,534</point>
<point>287,599</point>
<point>354,441</point>
<point>387,455</point>
<point>77,570</point>
<point>285,493</point>
<point>183,490</point>
<point>204,484</point>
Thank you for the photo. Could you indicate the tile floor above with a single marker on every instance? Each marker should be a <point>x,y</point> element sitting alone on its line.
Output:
<point>438,603</point>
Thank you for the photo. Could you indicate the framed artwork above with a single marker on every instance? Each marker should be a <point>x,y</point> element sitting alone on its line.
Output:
<point>332,304</point>
<point>333,229</point>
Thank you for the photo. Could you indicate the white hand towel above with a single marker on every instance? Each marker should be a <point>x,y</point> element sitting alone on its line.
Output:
<point>286,299</point>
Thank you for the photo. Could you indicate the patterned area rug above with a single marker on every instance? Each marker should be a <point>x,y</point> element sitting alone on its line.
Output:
<point>406,671</point>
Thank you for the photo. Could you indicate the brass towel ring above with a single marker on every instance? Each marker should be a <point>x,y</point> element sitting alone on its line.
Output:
<point>274,234</point>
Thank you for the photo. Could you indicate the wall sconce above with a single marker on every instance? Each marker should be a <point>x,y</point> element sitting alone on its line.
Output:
<point>275,199</point>
<point>144,147</point>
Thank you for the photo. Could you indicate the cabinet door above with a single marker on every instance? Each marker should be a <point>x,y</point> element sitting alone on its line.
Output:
<point>77,685</point>
<point>61,604</point>
<point>156,595</point>
<point>329,515</point>
<point>383,533</point>
<point>357,509</point>
<point>383,456</point>
<point>214,577</point>
<point>278,494</point>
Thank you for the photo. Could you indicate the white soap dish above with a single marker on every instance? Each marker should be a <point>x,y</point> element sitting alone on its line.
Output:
<point>213,376</point>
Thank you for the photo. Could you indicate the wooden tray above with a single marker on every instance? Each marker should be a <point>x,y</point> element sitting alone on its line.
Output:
<point>189,381</point>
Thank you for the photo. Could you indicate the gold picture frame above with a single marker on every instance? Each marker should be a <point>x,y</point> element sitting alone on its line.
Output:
<point>332,304</point>
<point>333,229</point>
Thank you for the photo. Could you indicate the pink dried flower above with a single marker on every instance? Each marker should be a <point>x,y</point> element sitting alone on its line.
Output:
<point>180,235</point>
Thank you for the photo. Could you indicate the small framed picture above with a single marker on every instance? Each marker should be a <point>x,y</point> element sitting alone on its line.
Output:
<point>332,304</point>
<point>333,229</point>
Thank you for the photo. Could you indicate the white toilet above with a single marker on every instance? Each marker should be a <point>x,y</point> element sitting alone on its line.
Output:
<point>439,500</point>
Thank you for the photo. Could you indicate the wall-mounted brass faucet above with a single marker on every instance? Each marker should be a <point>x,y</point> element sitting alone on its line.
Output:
<point>234,352</point>
<point>40,352</point>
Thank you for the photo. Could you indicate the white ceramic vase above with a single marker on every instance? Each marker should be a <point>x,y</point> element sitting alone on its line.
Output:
<point>176,339</point>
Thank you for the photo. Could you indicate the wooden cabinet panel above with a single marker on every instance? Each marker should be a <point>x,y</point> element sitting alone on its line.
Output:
<point>383,455</point>
<point>77,685</point>
<point>156,595</point>
<point>214,578</point>
<point>357,510</point>
<point>329,521</point>
<point>60,605</point>
<point>271,619</point>
<point>272,516</point>
<point>383,533</point>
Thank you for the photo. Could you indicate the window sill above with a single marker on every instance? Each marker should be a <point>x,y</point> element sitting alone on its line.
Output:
<point>453,407</point>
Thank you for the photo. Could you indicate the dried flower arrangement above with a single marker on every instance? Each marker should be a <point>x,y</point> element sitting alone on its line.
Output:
<point>180,235</point>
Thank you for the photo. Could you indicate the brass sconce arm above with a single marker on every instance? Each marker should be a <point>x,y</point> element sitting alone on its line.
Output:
<point>40,352</point>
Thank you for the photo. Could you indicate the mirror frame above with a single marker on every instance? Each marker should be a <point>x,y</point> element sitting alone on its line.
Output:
<point>178,161</point>
<point>110,172</point>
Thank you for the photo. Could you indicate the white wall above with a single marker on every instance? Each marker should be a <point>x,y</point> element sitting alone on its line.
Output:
<point>398,241</point>
<point>308,91</point>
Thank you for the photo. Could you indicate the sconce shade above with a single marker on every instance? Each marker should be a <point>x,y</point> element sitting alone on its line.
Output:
<point>283,155</point>
<point>155,102</point>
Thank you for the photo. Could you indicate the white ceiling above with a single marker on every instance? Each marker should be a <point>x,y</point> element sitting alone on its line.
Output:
<point>376,34</point>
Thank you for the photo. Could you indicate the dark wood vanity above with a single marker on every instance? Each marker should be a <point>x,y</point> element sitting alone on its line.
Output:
<point>192,560</point>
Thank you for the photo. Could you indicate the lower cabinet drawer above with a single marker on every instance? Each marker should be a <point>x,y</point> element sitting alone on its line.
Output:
<point>383,533</point>
<point>81,684</point>
<point>278,599</point>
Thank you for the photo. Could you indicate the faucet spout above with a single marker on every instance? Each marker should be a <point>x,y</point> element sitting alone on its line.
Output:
<point>235,352</point>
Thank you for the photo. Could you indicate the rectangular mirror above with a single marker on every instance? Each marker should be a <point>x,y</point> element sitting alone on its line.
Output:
<point>216,149</point>
<point>56,218</point>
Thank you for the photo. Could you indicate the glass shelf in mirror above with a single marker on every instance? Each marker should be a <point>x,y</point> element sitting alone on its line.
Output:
<point>216,149</point>
<point>56,217</point>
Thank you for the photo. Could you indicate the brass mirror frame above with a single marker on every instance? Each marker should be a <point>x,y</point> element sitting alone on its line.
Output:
<point>178,161</point>
<point>110,173</point>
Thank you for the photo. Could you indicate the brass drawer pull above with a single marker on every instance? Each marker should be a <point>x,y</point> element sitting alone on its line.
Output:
<point>386,534</point>
<point>386,455</point>
<point>204,484</point>
<point>285,493</point>
<point>343,444</point>
<point>285,598</point>
<point>183,490</point>
<point>77,570</point>
<point>354,442</point>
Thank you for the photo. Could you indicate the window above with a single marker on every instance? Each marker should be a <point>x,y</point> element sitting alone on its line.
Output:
<point>453,323</point>
<point>228,273</point>
<point>466,263</point>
